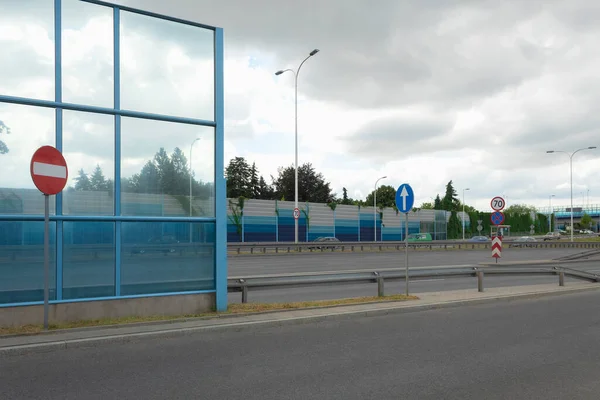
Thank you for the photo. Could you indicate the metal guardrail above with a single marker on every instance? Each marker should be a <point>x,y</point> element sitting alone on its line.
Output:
<point>282,247</point>
<point>243,285</point>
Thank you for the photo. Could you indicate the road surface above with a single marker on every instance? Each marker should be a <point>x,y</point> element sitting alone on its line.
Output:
<point>523,349</point>
<point>309,262</point>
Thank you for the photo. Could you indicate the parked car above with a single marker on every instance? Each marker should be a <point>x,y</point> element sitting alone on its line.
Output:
<point>419,237</point>
<point>552,236</point>
<point>157,244</point>
<point>328,242</point>
<point>524,241</point>
<point>480,238</point>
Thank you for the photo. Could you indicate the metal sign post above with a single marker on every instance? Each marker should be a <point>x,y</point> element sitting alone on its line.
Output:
<point>405,198</point>
<point>46,259</point>
<point>49,173</point>
<point>406,250</point>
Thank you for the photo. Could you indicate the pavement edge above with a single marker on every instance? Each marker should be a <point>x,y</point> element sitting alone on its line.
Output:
<point>248,325</point>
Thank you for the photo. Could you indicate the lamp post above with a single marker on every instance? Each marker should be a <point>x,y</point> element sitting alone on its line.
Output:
<point>571,170</point>
<point>463,214</point>
<point>551,213</point>
<point>312,53</point>
<point>191,148</point>
<point>375,206</point>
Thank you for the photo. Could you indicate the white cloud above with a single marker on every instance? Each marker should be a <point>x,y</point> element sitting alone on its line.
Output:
<point>473,92</point>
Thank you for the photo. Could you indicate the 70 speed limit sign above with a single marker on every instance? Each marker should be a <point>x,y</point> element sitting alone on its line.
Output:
<point>498,203</point>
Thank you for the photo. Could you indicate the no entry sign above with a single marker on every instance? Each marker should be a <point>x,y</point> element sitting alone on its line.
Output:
<point>49,170</point>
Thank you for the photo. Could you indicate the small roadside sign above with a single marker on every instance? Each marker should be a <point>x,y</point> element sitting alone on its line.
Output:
<point>296,213</point>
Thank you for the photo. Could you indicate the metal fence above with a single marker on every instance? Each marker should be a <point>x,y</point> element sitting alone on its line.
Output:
<point>244,284</point>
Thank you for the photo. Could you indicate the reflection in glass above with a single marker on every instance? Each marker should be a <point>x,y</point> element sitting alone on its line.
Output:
<point>22,261</point>
<point>155,170</point>
<point>88,146</point>
<point>27,43</point>
<point>23,129</point>
<point>160,257</point>
<point>88,259</point>
<point>87,53</point>
<point>166,67</point>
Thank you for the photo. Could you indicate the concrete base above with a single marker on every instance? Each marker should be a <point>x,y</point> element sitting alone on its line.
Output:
<point>112,308</point>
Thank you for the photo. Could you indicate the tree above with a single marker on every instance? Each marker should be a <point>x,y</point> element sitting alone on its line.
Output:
<point>586,220</point>
<point>265,191</point>
<point>437,203</point>
<point>519,209</point>
<point>311,185</point>
<point>427,206</point>
<point>238,174</point>
<point>450,201</point>
<point>386,196</point>
<point>254,184</point>
<point>97,181</point>
<point>6,130</point>
<point>82,182</point>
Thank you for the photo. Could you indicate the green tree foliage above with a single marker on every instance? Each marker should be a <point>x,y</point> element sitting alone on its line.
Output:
<point>437,203</point>
<point>427,206</point>
<point>586,221</point>
<point>519,209</point>
<point>94,182</point>
<point>244,180</point>
<point>454,226</point>
<point>3,130</point>
<point>311,185</point>
<point>450,202</point>
<point>386,197</point>
<point>345,199</point>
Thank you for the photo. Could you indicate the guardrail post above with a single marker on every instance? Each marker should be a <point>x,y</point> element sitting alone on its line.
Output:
<point>561,278</point>
<point>244,291</point>
<point>480,281</point>
<point>380,288</point>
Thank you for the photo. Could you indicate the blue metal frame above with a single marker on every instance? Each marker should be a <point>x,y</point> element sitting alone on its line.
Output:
<point>220,219</point>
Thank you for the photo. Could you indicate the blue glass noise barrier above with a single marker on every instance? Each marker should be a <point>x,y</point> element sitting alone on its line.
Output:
<point>110,284</point>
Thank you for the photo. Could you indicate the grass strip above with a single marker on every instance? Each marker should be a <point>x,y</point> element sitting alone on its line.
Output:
<point>247,308</point>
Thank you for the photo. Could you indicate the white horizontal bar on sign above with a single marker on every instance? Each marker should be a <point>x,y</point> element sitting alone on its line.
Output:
<point>54,171</point>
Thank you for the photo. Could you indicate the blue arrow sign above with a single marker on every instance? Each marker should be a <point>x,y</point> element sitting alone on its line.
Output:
<point>405,198</point>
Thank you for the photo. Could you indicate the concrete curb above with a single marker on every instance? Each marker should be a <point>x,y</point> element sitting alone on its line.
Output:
<point>248,325</point>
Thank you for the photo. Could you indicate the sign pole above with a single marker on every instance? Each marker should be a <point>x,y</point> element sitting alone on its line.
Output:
<point>406,250</point>
<point>46,258</point>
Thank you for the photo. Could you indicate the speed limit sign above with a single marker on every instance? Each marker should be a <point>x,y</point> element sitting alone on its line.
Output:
<point>296,213</point>
<point>498,203</point>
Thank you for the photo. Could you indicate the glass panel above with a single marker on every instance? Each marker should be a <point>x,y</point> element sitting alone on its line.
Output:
<point>22,261</point>
<point>159,257</point>
<point>87,53</point>
<point>88,145</point>
<point>155,178</point>
<point>23,130</point>
<point>27,43</point>
<point>166,67</point>
<point>88,259</point>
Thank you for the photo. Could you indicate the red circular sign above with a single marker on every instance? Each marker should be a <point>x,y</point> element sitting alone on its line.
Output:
<point>49,170</point>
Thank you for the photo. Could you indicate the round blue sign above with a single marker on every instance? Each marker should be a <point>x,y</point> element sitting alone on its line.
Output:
<point>497,218</point>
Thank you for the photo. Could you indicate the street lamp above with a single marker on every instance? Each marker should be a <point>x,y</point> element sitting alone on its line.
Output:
<point>375,206</point>
<point>571,169</point>
<point>312,53</point>
<point>463,214</point>
<point>551,213</point>
<point>191,148</point>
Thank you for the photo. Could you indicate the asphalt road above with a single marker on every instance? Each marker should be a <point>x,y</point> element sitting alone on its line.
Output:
<point>310,262</point>
<point>523,349</point>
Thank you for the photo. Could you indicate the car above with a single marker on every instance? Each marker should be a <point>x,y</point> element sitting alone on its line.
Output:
<point>480,238</point>
<point>419,237</point>
<point>524,241</point>
<point>552,236</point>
<point>328,242</point>
<point>157,244</point>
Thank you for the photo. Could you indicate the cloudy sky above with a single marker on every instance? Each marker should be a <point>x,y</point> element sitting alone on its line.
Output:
<point>421,91</point>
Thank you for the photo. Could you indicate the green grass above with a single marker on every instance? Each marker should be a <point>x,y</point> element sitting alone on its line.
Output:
<point>233,309</point>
